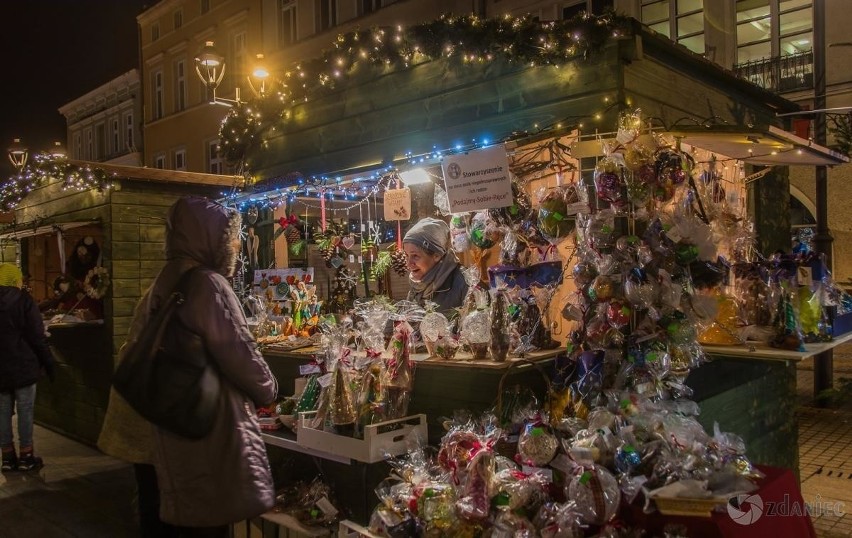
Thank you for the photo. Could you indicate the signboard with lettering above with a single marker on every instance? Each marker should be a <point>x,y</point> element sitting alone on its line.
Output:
<point>477,180</point>
<point>397,204</point>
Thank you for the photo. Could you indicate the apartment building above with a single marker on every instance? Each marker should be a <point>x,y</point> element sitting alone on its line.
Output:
<point>104,124</point>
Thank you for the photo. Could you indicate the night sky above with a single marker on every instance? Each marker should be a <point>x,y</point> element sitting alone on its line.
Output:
<point>55,51</point>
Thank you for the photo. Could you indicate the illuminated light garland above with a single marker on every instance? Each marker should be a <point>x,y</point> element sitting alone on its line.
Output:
<point>46,167</point>
<point>469,38</point>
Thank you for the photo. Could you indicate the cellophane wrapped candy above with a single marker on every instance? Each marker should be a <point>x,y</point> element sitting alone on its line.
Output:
<point>398,378</point>
<point>459,234</point>
<point>596,493</point>
<point>342,401</point>
<point>481,232</point>
<point>474,503</point>
<point>556,212</point>
<point>609,183</point>
<point>376,315</point>
<point>433,326</point>
<point>499,344</point>
<point>558,520</point>
<point>476,331</point>
<point>537,444</point>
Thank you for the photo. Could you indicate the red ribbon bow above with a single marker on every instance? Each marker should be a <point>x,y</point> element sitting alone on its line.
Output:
<point>287,221</point>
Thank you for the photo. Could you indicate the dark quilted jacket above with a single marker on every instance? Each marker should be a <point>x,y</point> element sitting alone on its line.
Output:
<point>22,340</point>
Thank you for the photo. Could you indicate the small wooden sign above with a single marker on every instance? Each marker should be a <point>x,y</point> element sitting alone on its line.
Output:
<point>398,204</point>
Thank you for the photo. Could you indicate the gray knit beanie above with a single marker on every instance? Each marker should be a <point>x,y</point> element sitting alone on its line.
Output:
<point>432,235</point>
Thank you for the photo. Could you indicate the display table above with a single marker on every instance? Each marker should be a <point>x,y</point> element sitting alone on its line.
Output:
<point>766,353</point>
<point>783,514</point>
<point>441,386</point>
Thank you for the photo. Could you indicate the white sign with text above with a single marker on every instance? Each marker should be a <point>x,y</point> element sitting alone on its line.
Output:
<point>477,180</point>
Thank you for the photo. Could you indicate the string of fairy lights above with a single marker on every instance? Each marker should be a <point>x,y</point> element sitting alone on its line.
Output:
<point>469,39</point>
<point>42,169</point>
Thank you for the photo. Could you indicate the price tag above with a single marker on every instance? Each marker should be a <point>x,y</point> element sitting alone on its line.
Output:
<point>360,259</point>
<point>806,277</point>
<point>327,508</point>
<point>307,369</point>
<point>351,258</point>
<point>325,380</point>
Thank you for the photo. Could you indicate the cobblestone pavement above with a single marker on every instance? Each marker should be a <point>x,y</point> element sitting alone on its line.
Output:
<point>825,451</point>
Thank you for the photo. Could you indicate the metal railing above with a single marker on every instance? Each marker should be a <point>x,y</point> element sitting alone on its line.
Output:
<point>780,74</point>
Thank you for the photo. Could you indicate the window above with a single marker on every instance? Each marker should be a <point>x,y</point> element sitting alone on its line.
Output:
<point>180,85</point>
<point>773,28</point>
<point>215,164</point>
<point>90,150</point>
<point>595,7</point>
<point>116,137</point>
<point>160,161</point>
<point>100,141</point>
<point>128,131</point>
<point>78,146</point>
<point>680,20</point>
<point>178,19</point>
<point>157,95</point>
<point>180,159</point>
<point>239,57</point>
<point>326,14</point>
<point>155,31</point>
<point>369,6</point>
<point>205,6</point>
<point>286,22</point>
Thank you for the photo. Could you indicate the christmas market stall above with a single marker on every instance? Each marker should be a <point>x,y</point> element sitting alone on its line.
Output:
<point>89,238</point>
<point>598,184</point>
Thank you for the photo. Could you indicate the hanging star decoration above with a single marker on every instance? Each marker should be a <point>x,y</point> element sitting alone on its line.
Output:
<point>347,279</point>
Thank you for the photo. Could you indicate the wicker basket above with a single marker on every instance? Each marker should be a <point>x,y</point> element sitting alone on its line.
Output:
<point>507,445</point>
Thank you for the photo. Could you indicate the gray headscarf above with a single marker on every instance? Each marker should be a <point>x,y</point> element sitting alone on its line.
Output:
<point>433,236</point>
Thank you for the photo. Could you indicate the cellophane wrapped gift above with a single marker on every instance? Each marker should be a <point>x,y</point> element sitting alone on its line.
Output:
<point>398,377</point>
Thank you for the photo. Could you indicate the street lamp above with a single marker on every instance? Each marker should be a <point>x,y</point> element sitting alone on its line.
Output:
<point>58,151</point>
<point>18,154</point>
<point>260,74</point>
<point>210,67</point>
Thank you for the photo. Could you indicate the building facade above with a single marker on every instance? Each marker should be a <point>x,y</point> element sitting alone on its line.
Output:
<point>104,124</point>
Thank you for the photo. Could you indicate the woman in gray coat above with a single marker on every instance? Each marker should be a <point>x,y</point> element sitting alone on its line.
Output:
<point>209,483</point>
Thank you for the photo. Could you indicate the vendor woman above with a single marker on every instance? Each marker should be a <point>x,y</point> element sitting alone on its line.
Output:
<point>434,271</point>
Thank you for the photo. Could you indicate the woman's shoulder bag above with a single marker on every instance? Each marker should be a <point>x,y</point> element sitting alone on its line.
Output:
<point>166,375</point>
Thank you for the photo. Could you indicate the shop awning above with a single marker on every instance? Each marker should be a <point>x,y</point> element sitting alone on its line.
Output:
<point>767,146</point>
<point>22,231</point>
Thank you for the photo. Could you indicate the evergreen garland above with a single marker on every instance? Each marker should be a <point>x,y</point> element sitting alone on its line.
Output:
<point>467,39</point>
<point>42,169</point>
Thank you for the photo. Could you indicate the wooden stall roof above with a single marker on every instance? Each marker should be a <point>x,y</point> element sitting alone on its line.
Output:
<point>165,176</point>
<point>372,122</point>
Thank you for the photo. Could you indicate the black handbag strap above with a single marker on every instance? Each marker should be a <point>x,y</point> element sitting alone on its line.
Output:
<point>164,313</point>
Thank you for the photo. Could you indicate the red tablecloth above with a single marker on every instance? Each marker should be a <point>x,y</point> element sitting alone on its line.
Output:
<point>783,515</point>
